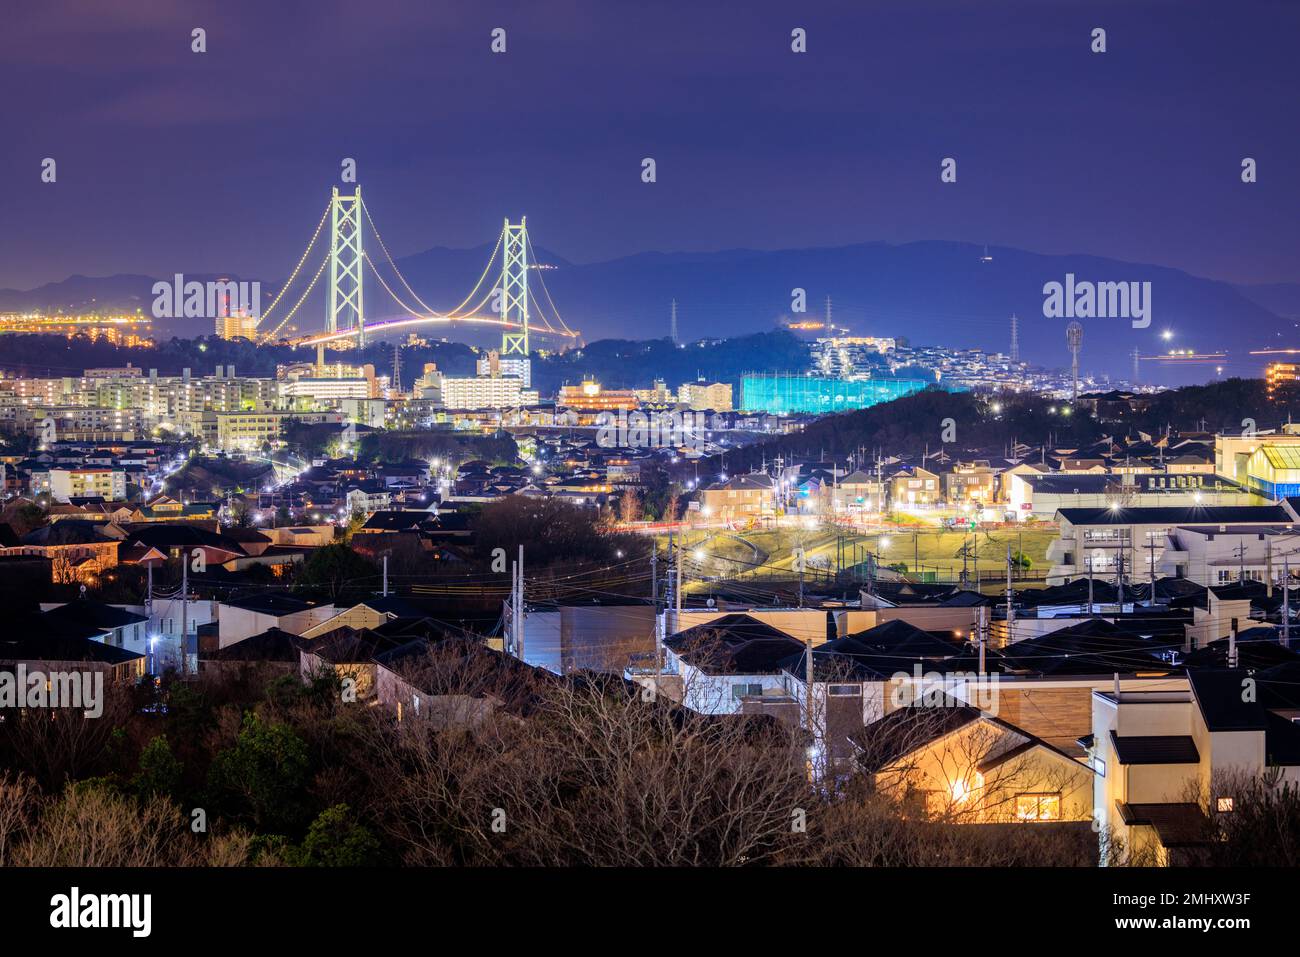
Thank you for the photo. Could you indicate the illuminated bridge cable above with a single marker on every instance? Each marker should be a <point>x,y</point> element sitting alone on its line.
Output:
<point>486,270</point>
<point>294,275</point>
<point>389,256</point>
<point>301,299</point>
<point>409,311</point>
<point>546,292</point>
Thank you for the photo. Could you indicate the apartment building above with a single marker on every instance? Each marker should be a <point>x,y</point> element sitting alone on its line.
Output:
<point>1097,540</point>
<point>699,396</point>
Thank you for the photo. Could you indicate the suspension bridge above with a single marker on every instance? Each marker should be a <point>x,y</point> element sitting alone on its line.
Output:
<point>500,299</point>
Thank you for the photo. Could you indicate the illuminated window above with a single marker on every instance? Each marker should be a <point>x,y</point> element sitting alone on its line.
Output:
<point>1038,807</point>
<point>1224,805</point>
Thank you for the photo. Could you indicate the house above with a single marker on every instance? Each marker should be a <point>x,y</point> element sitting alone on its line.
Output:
<point>740,497</point>
<point>960,764</point>
<point>725,660</point>
<point>113,626</point>
<point>859,491</point>
<point>350,654</point>
<point>273,650</point>
<point>64,643</point>
<point>914,486</point>
<point>78,550</point>
<point>240,618</point>
<point>973,483</point>
<point>455,681</point>
<point>1167,761</point>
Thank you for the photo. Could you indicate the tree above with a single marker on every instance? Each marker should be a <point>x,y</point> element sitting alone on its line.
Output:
<point>335,839</point>
<point>160,771</point>
<point>335,570</point>
<point>263,774</point>
<point>629,505</point>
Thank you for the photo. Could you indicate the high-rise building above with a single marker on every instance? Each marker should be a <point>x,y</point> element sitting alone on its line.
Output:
<point>493,364</point>
<point>485,392</point>
<point>238,326</point>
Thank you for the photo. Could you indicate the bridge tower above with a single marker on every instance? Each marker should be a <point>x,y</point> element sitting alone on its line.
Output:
<point>514,287</point>
<point>344,300</point>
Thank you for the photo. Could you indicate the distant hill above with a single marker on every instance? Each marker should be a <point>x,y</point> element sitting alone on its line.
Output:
<point>931,292</point>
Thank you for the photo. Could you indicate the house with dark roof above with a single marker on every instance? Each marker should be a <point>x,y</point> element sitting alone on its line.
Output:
<point>272,650</point>
<point>1167,762</point>
<point>967,766</point>
<point>727,659</point>
<point>111,625</point>
<point>453,680</point>
<point>243,617</point>
<point>78,550</point>
<point>76,638</point>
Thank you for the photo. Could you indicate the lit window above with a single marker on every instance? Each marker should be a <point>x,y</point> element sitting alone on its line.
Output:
<point>1038,807</point>
<point>1225,805</point>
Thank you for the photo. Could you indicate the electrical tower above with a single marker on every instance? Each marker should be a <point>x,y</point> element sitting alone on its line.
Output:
<point>1137,367</point>
<point>672,324</point>
<point>1015,338</point>
<point>1074,336</point>
<point>346,256</point>
<point>397,367</point>
<point>514,287</point>
<point>828,312</point>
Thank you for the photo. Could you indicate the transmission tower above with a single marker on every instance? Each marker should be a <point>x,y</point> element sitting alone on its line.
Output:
<point>1074,336</point>
<point>514,287</point>
<point>672,326</point>
<point>1015,338</point>
<point>397,367</point>
<point>1137,367</point>
<point>346,258</point>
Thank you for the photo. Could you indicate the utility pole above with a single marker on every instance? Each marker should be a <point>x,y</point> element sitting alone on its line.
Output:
<point>385,576</point>
<point>1089,560</point>
<point>801,559</point>
<point>1119,576</point>
<point>185,608</point>
<point>981,625</point>
<point>677,590</point>
<point>808,679</point>
<point>1268,568</point>
<point>654,604</point>
<point>1151,545</point>
<point>519,619</point>
<point>1286,601</point>
<point>1011,608</point>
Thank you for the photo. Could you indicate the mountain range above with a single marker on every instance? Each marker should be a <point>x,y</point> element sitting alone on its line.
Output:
<point>929,292</point>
